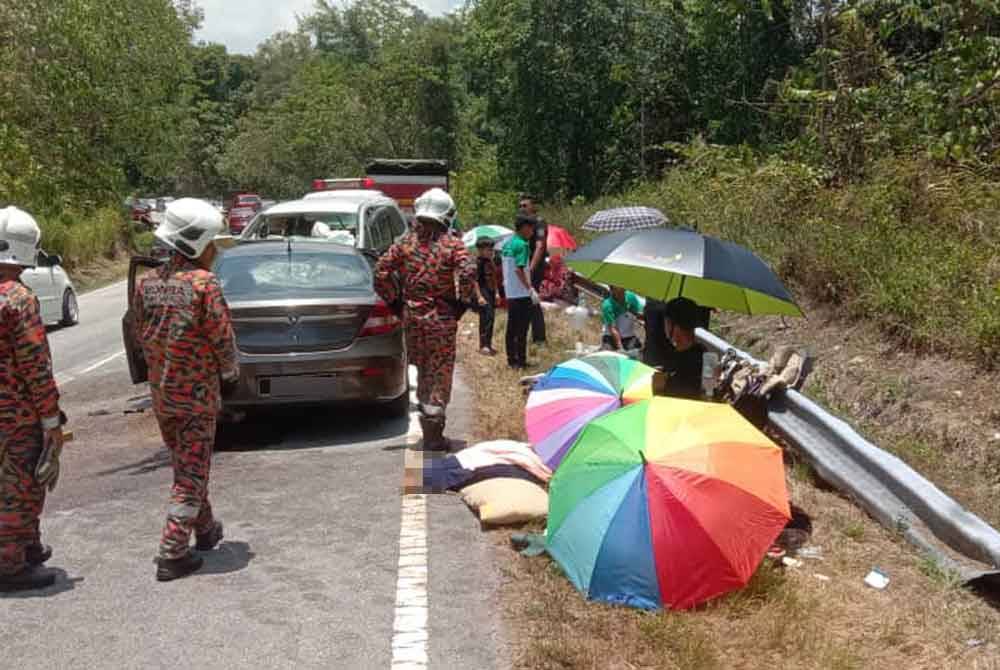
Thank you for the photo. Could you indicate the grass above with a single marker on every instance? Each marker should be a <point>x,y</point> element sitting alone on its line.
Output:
<point>785,617</point>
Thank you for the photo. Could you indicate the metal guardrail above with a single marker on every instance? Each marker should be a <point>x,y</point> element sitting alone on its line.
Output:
<point>893,493</point>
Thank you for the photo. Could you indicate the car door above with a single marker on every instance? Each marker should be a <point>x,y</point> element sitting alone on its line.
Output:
<point>137,367</point>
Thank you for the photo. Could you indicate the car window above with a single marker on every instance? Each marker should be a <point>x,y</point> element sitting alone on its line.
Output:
<point>301,275</point>
<point>344,225</point>
<point>396,224</point>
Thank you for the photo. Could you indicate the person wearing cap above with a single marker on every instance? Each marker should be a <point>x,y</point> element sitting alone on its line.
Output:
<point>486,293</point>
<point>616,316</point>
<point>430,272</point>
<point>683,366</point>
<point>188,342</point>
<point>30,418</point>
<point>539,248</point>
<point>521,297</point>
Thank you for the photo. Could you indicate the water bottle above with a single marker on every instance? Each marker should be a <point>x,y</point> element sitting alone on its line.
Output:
<point>709,363</point>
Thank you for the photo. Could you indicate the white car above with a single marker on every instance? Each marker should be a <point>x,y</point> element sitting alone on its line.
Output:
<point>366,220</point>
<point>56,293</point>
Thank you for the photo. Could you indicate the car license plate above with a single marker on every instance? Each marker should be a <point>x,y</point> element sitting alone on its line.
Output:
<point>298,386</point>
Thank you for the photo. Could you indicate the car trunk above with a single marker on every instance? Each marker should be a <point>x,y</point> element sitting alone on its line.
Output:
<point>279,328</point>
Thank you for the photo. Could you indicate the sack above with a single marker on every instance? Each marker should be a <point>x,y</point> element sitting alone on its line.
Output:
<point>504,501</point>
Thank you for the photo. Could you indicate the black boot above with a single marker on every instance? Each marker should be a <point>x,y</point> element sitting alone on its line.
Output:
<point>29,579</point>
<point>168,569</point>
<point>37,554</point>
<point>433,429</point>
<point>209,540</point>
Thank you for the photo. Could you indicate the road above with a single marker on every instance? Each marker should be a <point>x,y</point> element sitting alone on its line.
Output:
<point>325,563</point>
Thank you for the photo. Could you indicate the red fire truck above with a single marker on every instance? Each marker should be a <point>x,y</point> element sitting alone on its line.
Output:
<point>403,180</point>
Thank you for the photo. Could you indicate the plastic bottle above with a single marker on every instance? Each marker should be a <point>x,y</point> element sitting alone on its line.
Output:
<point>709,363</point>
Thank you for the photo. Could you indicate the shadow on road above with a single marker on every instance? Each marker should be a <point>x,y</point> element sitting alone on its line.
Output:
<point>226,558</point>
<point>310,428</point>
<point>63,584</point>
<point>150,464</point>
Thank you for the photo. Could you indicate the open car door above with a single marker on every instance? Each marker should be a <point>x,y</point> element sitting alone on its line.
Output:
<point>137,367</point>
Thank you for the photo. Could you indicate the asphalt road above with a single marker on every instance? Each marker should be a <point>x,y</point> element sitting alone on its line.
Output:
<point>310,575</point>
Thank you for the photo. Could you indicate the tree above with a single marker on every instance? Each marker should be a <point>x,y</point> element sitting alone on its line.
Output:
<point>92,95</point>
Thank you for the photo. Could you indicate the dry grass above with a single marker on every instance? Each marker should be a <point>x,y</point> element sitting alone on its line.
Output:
<point>785,618</point>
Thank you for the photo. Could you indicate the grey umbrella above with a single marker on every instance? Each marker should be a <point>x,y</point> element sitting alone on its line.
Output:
<point>626,218</point>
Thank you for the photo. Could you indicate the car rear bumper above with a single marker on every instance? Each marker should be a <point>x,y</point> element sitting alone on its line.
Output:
<point>368,372</point>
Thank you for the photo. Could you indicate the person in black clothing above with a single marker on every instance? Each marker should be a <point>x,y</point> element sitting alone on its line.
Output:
<point>683,365</point>
<point>658,347</point>
<point>486,294</point>
<point>539,252</point>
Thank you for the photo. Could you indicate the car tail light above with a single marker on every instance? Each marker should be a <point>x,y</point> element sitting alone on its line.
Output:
<point>319,184</point>
<point>381,321</point>
<point>368,182</point>
<point>373,372</point>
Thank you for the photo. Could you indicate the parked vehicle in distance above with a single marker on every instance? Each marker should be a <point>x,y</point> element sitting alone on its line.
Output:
<point>310,328</point>
<point>141,212</point>
<point>54,290</point>
<point>401,179</point>
<point>242,200</point>
<point>239,218</point>
<point>366,220</point>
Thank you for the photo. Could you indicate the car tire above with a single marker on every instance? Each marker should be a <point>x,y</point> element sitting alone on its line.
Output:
<point>70,309</point>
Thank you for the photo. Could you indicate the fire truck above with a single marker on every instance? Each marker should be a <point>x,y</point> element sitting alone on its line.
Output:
<point>403,180</point>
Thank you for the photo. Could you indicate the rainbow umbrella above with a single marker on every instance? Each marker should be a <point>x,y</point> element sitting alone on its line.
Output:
<point>666,503</point>
<point>574,393</point>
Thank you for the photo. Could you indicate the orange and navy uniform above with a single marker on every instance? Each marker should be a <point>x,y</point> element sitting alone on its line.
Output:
<point>29,402</point>
<point>428,265</point>
<point>187,337</point>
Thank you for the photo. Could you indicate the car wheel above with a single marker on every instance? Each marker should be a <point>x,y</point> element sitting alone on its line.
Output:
<point>71,309</point>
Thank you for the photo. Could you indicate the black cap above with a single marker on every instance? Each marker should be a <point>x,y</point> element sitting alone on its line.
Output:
<point>524,220</point>
<point>682,312</point>
<point>484,242</point>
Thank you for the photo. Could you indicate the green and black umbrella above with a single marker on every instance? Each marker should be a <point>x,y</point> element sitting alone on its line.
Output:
<point>666,263</point>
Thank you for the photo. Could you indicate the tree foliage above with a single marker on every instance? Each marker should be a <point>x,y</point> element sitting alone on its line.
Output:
<point>90,97</point>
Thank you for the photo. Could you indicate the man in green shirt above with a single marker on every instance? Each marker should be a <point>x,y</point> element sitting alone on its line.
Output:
<point>521,298</point>
<point>619,327</point>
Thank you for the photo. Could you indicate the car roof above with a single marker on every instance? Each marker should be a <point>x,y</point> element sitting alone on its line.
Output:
<point>345,193</point>
<point>279,247</point>
<point>339,204</point>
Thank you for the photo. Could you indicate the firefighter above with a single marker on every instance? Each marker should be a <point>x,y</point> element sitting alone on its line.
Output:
<point>187,338</point>
<point>430,272</point>
<point>31,435</point>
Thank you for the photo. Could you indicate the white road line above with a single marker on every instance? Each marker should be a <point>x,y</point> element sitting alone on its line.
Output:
<point>410,632</point>
<point>102,362</point>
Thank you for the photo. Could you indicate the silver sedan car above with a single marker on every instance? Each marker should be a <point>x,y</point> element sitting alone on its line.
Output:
<point>310,328</point>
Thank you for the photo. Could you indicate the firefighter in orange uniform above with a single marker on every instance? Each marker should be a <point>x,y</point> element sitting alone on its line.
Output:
<point>421,271</point>
<point>31,435</point>
<point>187,337</point>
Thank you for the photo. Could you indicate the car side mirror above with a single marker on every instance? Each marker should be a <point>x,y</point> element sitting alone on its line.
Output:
<point>55,260</point>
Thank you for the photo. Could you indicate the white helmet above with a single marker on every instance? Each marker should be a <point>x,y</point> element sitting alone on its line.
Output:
<point>435,205</point>
<point>189,226</point>
<point>19,238</point>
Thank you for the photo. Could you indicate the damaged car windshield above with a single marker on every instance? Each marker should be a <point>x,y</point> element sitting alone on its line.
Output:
<point>296,275</point>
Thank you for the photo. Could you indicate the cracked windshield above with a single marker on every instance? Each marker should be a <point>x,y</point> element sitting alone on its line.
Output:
<point>500,334</point>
